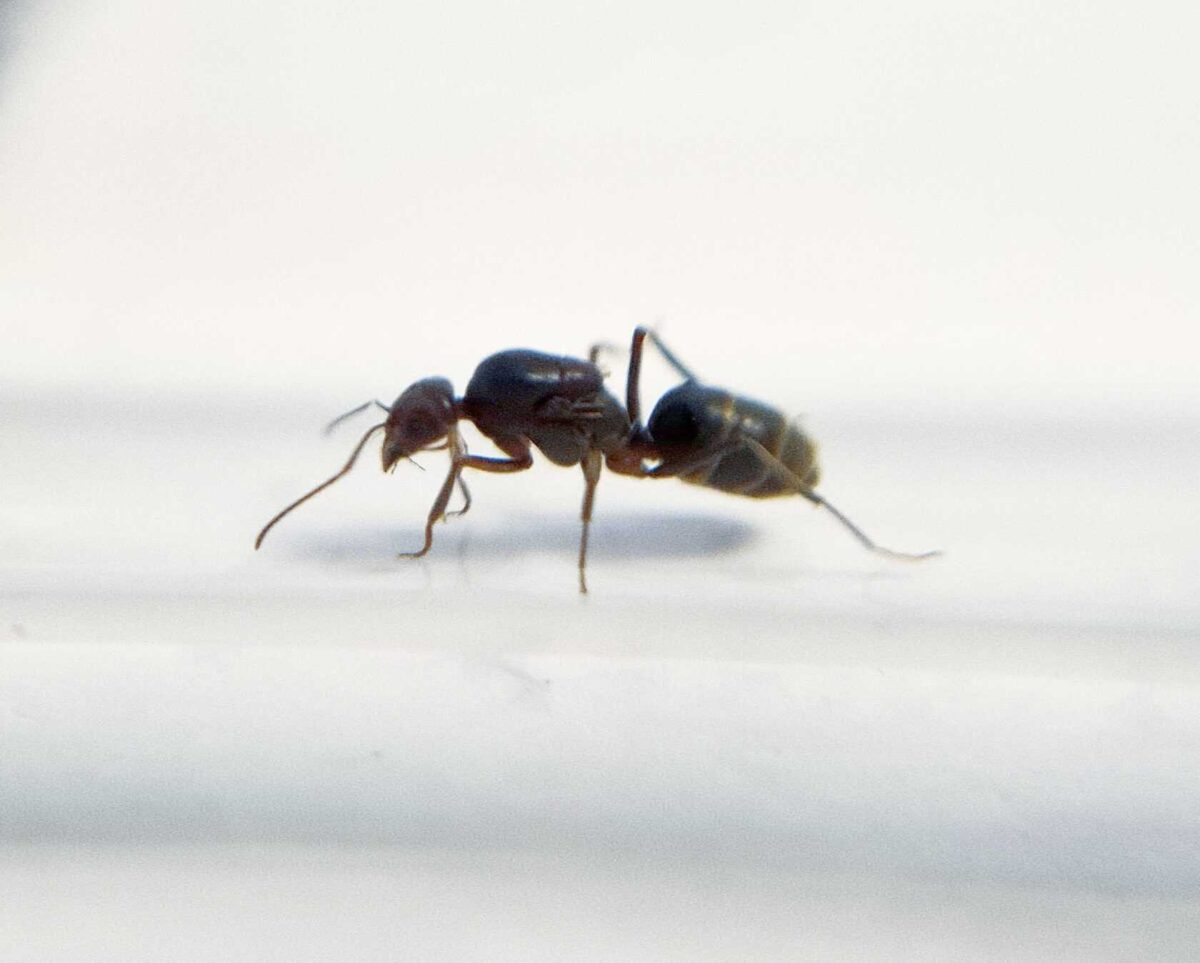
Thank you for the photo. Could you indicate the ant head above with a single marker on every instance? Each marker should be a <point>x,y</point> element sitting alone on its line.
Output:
<point>421,417</point>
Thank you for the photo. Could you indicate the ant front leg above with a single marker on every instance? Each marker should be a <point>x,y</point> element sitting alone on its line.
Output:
<point>438,510</point>
<point>466,494</point>
<point>459,459</point>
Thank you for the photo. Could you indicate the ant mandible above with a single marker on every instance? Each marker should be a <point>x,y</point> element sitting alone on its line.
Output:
<point>519,399</point>
<point>713,438</point>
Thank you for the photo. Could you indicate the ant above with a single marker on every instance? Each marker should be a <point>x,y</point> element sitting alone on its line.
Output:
<point>519,399</point>
<point>710,437</point>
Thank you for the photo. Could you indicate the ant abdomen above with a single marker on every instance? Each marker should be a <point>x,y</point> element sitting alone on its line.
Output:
<point>734,432</point>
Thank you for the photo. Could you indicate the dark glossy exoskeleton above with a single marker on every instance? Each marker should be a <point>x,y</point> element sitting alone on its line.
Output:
<point>520,400</point>
<point>711,437</point>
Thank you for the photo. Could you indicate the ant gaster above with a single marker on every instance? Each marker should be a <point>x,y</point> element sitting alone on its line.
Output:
<point>519,399</point>
<point>710,437</point>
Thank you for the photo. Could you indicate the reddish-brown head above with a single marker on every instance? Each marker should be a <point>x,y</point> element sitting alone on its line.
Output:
<point>419,419</point>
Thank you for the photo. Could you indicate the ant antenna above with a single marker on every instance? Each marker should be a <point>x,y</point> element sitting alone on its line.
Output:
<point>350,414</point>
<point>325,484</point>
<point>861,535</point>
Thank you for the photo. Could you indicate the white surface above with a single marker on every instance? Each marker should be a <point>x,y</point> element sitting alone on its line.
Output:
<point>750,741</point>
<point>962,239</point>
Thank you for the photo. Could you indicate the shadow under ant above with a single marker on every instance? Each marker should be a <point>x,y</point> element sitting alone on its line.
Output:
<point>523,400</point>
<point>624,536</point>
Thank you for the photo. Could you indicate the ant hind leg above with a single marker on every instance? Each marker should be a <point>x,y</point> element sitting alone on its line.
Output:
<point>672,358</point>
<point>863,539</point>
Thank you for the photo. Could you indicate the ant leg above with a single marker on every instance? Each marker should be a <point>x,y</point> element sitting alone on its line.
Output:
<point>633,403</point>
<point>861,536</point>
<point>592,463</point>
<point>695,463</point>
<point>350,414</point>
<point>466,494</point>
<point>667,353</point>
<point>320,488</point>
<point>438,510</point>
<point>630,460</point>
<point>497,465</point>
<point>771,461</point>
<point>595,350</point>
<point>458,461</point>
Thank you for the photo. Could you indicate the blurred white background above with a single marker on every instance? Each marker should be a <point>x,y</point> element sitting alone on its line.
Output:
<point>959,239</point>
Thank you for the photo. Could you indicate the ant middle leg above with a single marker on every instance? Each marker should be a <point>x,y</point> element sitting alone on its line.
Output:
<point>592,462</point>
